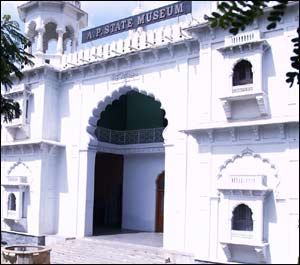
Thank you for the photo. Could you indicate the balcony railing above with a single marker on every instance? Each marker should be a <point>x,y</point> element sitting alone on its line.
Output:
<point>243,38</point>
<point>15,181</point>
<point>241,235</point>
<point>242,88</point>
<point>153,135</point>
<point>243,182</point>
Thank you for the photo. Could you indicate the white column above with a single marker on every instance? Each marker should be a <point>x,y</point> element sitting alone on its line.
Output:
<point>40,47</point>
<point>60,46</point>
<point>29,36</point>
<point>29,48</point>
<point>74,44</point>
<point>85,196</point>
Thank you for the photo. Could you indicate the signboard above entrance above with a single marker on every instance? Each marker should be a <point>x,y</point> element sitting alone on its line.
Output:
<point>140,20</point>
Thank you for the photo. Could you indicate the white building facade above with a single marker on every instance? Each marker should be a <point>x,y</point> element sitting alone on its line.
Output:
<point>182,129</point>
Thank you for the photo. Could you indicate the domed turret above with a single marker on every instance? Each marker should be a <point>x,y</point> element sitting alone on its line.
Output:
<point>53,20</point>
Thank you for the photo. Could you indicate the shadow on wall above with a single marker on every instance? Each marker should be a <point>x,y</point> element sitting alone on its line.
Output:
<point>268,72</point>
<point>64,106</point>
<point>16,226</point>
<point>270,216</point>
<point>62,184</point>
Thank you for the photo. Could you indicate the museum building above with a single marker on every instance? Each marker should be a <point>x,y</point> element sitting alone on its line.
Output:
<point>180,129</point>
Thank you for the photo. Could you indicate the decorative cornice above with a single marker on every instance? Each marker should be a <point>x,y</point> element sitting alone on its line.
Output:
<point>29,147</point>
<point>128,149</point>
<point>236,124</point>
<point>19,162</point>
<point>246,152</point>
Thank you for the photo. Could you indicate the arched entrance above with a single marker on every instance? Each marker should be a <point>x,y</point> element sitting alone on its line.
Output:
<point>128,160</point>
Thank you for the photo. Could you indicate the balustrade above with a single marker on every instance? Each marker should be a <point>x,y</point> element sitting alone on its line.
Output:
<point>243,182</point>
<point>135,42</point>
<point>153,135</point>
<point>242,38</point>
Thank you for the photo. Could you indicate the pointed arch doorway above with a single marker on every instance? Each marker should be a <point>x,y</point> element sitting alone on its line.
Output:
<point>160,190</point>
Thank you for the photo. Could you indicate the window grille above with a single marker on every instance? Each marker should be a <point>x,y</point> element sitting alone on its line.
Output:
<point>11,202</point>
<point>242,73</point>
<point>242,218</point>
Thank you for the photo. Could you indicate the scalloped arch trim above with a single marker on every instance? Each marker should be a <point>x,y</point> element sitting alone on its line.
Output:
<point>246,152</point>
<point>115,95</point>
<point>18,164</point>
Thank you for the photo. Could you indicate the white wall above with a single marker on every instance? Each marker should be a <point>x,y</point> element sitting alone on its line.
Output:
<point>139,190</point>
<point>32,161</point>
<point>207,216</point>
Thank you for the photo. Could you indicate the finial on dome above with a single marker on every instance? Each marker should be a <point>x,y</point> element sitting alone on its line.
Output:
<point>138,9</point>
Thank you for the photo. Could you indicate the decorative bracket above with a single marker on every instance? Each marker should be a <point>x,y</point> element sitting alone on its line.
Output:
<point>155,53</point>
<point>255,129</point>
<point>233,134</point>
<point>171,50</point>
<point>262,104</point>
<point>210,133</point>
<point>262,252</point>
<point>142,57</point>
<point>226,249</point>
<point>282,130</point>
<point>227,108</point>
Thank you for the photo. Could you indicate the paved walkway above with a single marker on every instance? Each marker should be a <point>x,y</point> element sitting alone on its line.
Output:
<point>126,248</point>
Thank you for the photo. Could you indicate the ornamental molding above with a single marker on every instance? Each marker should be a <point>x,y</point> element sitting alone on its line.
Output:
<point>125,75</point>
<point>128,149</point>
<point>116,94</point>
<point>247,152</point>
<point>258,179</point>
<point>226,135</point>
<point>16,164</point>
<point>30,148</point>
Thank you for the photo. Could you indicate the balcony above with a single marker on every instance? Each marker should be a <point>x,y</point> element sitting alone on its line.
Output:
<point>142,136</point>
<point>242,38</point>
<point>243,41</point>
<point>244,184</point>
<point>245,92</point>
<point>237,235</point>
<point>15,181</point>
<point>242,88</point>
<point>21,94</point>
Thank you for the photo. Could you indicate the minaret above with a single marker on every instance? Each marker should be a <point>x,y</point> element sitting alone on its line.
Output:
<point>136,11</point>
<point>48,20</point>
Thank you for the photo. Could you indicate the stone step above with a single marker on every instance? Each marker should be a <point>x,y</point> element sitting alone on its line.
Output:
<point>103,251</point>
<point>83,251</point>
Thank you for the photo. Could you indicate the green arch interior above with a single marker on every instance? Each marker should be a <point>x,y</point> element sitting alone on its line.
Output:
<point>133,111</point>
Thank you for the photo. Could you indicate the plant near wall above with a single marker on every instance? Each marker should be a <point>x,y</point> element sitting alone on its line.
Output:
<point>13,58</point>
<point>236,15</point>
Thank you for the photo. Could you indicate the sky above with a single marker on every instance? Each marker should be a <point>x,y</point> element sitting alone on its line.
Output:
<point>102,12</point>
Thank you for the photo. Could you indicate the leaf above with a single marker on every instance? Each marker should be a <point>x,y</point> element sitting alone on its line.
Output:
<point>234,31</point>
<point>291,77</point>
<point>214,24</point>
<point>271,26</point>
<point>13,58</point>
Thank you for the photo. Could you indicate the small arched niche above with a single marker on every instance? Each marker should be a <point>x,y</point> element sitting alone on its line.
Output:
<point>242,218</point>
<point>242,73</point>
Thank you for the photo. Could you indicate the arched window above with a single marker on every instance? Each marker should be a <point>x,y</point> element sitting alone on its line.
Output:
<point>242,73</point>
<point>11,202</point>
<point>242,218</point>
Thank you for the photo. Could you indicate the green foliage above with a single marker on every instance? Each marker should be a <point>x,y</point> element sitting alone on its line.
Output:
<point>236,15</point>
<point>295,62</point>
<point>13,59</point>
